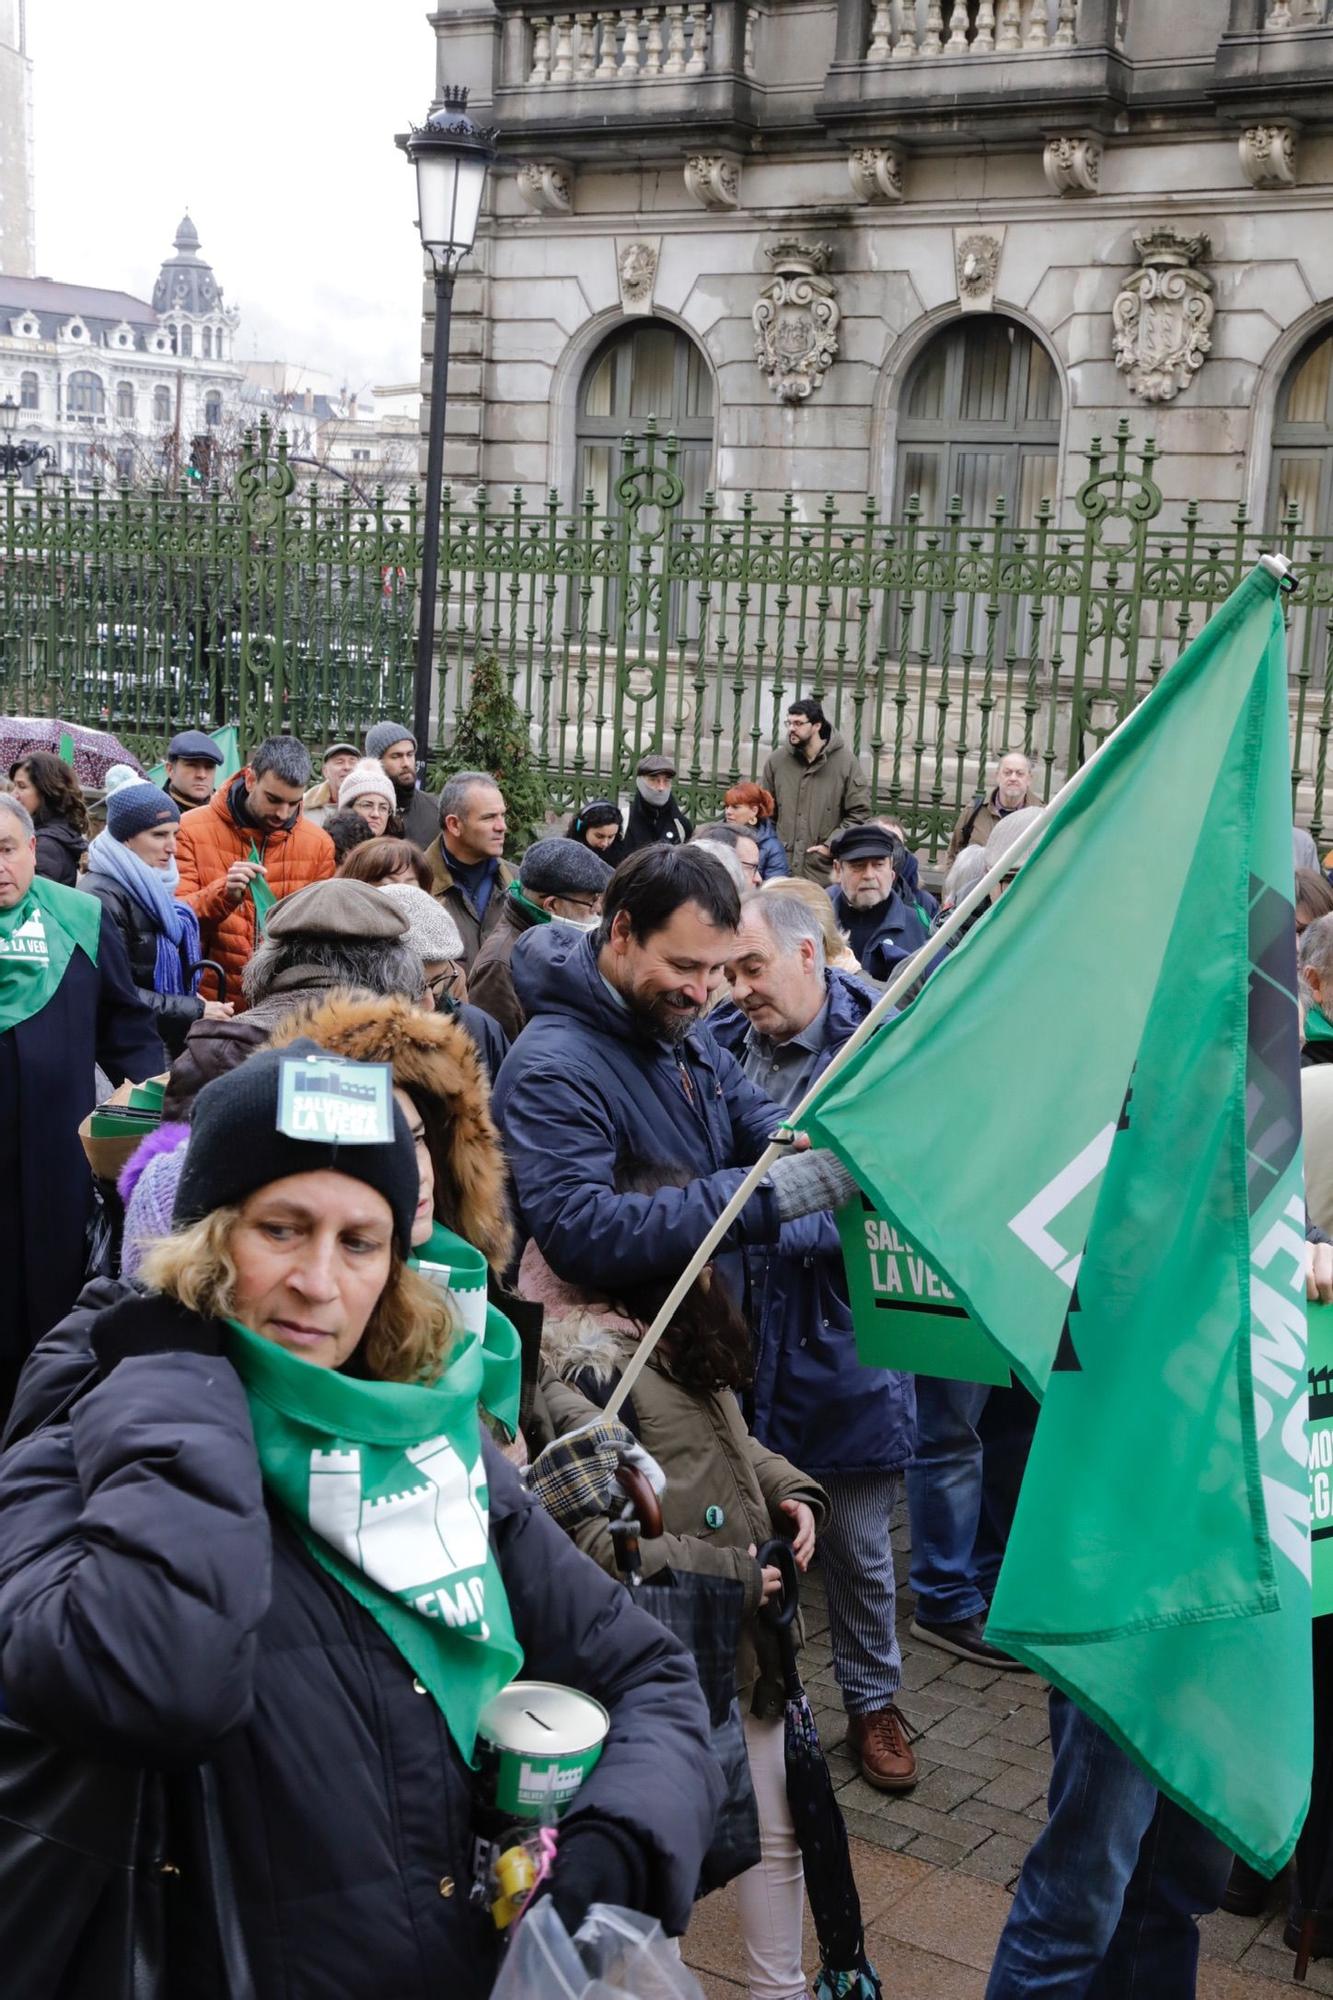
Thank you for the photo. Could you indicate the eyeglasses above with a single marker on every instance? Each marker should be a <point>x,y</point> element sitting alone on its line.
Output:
<point>442,984</point>
<point>588,903</point>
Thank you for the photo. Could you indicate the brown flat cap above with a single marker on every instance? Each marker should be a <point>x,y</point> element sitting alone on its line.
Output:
<point>337,909</point>
<point>657,765</point>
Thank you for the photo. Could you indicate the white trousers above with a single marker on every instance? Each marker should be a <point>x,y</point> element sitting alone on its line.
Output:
<point>772,1893</point>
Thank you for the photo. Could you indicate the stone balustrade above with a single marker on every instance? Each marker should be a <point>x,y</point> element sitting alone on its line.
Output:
<point>908,30</point>
<point>1284,14</point>
<point>626,45</point>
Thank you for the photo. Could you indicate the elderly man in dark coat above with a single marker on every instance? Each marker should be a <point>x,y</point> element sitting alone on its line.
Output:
<point>884,925</point>
<point>67,1003</point>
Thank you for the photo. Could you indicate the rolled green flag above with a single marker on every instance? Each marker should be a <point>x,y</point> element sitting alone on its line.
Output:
<point>1090,1121</point>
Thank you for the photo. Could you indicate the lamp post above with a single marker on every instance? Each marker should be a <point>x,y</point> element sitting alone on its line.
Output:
<point>15,458</point>
<point>451,156</point>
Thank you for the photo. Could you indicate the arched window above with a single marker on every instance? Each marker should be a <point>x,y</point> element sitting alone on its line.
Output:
<point>29,398</point>
<point>647,369</point>
<point>1302,473</point>
<point>85,396</point>
<point>187,340</point>
<point>125,402</point>
<point>208,343</point>
<point>161,404</point>
<point>980,420</point>
<point>213,411</point>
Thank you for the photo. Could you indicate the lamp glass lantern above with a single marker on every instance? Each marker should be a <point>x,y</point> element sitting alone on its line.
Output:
<point>452,157</point>
<point>9,416</point>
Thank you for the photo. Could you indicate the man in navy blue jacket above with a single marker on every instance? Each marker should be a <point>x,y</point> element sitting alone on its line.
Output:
<point>614,1068</point>
<point>813,1401</point>
<point>884,925</point>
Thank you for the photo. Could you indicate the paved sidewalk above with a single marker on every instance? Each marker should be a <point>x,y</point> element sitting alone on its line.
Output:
<point>936,1868</point>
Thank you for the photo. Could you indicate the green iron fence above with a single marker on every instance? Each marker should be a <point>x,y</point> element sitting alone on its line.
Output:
<point>935,644</point>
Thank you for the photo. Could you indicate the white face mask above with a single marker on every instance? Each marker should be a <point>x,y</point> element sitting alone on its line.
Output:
<point>650,795</point>
<point>576,923</point>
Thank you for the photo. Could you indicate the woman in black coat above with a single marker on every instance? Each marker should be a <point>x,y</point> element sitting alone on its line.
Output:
<point>218,1555</point>
<point>132,872</point>
<point>49,790</point>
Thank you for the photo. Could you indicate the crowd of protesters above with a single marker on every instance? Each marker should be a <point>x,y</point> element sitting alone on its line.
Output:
<point>589,1044</point>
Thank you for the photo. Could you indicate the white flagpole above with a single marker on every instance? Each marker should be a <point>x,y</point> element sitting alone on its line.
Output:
<point>1276,565</point>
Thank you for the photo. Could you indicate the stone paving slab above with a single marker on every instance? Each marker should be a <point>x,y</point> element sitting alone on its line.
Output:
<point>936,1866</point>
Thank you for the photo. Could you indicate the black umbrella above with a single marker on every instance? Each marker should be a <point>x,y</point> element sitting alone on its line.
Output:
<point>845,1973</point>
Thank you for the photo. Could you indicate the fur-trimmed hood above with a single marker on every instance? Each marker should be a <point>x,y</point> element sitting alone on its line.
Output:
<point>436,1060</point>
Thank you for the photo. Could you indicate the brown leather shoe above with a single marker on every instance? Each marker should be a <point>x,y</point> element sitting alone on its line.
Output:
<point>879,1746</point>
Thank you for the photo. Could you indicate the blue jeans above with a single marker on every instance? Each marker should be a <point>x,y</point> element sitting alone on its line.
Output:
<point>962,1487</point>
<point>1106,1904</point>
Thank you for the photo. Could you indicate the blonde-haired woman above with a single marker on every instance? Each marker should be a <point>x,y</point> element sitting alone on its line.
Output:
<point>837,946</point>
<point>271,1536</point>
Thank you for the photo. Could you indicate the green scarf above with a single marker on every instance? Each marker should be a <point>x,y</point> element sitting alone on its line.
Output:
<point>386,1485</point>
<point>1318,1027</point>
<point>459,1272</point>
<point>530,909</point>
<point>38,938</point>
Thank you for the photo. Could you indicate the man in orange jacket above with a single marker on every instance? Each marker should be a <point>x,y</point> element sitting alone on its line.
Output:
<point>258,813</point>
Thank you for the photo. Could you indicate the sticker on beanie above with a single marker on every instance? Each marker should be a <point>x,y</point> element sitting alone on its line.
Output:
<point>332,1102</point>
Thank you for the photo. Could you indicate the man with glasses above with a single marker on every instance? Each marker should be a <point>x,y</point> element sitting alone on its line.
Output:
<point>560,882</point>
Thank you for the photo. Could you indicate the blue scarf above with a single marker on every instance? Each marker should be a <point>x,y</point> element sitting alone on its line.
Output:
<point>176,924</point>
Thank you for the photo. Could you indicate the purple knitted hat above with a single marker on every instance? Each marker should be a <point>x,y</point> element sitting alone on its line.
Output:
<point>147,1186</point>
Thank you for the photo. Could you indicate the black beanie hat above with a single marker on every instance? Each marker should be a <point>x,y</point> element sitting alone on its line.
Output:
<point>235,1147</point>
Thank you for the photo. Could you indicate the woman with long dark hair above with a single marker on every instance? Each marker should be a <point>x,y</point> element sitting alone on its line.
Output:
<point>48,788</point>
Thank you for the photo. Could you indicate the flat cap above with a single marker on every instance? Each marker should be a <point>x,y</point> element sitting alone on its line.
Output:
<point>560,867</point>
<point>193,743</point>
<point>339,749</point>
<point>861,843</point>
<point>336,909</point>
<point>657,765</point>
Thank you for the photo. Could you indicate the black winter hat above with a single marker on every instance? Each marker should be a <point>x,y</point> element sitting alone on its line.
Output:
<point>235,1147</point>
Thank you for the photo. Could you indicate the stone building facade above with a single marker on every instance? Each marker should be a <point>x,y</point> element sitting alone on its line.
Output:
<point>17,218</point>
<point>896,247</point>
<point>118,387</point>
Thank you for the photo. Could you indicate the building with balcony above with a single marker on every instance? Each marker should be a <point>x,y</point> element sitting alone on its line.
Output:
<point>901,247</point>
<point>117,387</point>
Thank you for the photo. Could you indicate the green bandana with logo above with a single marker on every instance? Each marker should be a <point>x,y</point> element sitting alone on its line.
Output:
<point>386,1485</point>
<point>38,938</point>
<point>456,1269</point>
<point>529,908</point>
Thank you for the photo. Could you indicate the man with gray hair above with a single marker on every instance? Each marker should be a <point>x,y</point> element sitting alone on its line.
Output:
<point>813,1402</point>
<point>67,1003</point>
<point>468,872</point>
<point>250,831</point>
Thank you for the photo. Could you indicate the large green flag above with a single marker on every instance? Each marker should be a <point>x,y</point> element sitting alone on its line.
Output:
<point>1090,1121</point>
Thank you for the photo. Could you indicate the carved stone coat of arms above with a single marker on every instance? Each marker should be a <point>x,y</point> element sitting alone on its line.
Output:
<point>1162,315</point>
<point>796,320</point>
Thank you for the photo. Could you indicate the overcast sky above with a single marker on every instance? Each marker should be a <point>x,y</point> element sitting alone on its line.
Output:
<point>273,122</point>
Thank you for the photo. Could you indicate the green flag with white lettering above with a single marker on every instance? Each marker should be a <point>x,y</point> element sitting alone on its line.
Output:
<point>1090,1121</point>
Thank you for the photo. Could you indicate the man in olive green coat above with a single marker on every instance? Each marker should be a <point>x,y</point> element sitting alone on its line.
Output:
<point>818,787</point>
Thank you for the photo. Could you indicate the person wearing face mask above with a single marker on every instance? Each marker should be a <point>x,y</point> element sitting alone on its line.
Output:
<point>655,820</point>
<point>272,1537</point>
<point>560,883</point>
<point>132,872</point>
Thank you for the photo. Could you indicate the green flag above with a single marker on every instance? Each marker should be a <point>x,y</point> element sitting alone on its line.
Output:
<point>1090,1121</point>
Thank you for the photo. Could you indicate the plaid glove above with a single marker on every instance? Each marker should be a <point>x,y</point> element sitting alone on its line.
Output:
<point>574,1478</point>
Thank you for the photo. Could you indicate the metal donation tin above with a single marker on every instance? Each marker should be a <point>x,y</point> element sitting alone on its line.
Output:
<point>536,1743</point>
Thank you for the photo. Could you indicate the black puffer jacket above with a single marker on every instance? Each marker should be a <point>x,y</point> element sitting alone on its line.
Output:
<point>174,1013</point>
<point>58,851</point>
<point>152,1607</point>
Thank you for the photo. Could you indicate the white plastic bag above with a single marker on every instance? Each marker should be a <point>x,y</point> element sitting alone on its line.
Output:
<point>614,1955</point>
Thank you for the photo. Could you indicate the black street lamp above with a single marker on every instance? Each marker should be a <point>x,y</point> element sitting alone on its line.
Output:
<point>15,458</point>
<point>451,156</point>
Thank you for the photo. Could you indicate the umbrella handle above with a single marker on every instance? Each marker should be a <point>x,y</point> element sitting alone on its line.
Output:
<point>780,1612</point>
<point>637,1488</point>
<point>196,966</point>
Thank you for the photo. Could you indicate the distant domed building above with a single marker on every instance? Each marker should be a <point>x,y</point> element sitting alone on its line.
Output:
<point>119,388</point>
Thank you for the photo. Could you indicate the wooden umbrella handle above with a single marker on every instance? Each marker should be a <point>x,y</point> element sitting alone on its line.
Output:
<point>637,1487</point>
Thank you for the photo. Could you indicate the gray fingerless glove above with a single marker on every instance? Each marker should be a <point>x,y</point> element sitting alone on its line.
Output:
<point>806,1182</point>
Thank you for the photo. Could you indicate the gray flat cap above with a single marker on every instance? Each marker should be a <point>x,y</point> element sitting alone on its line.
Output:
<point>561,867</point>
<point>336,909</point>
